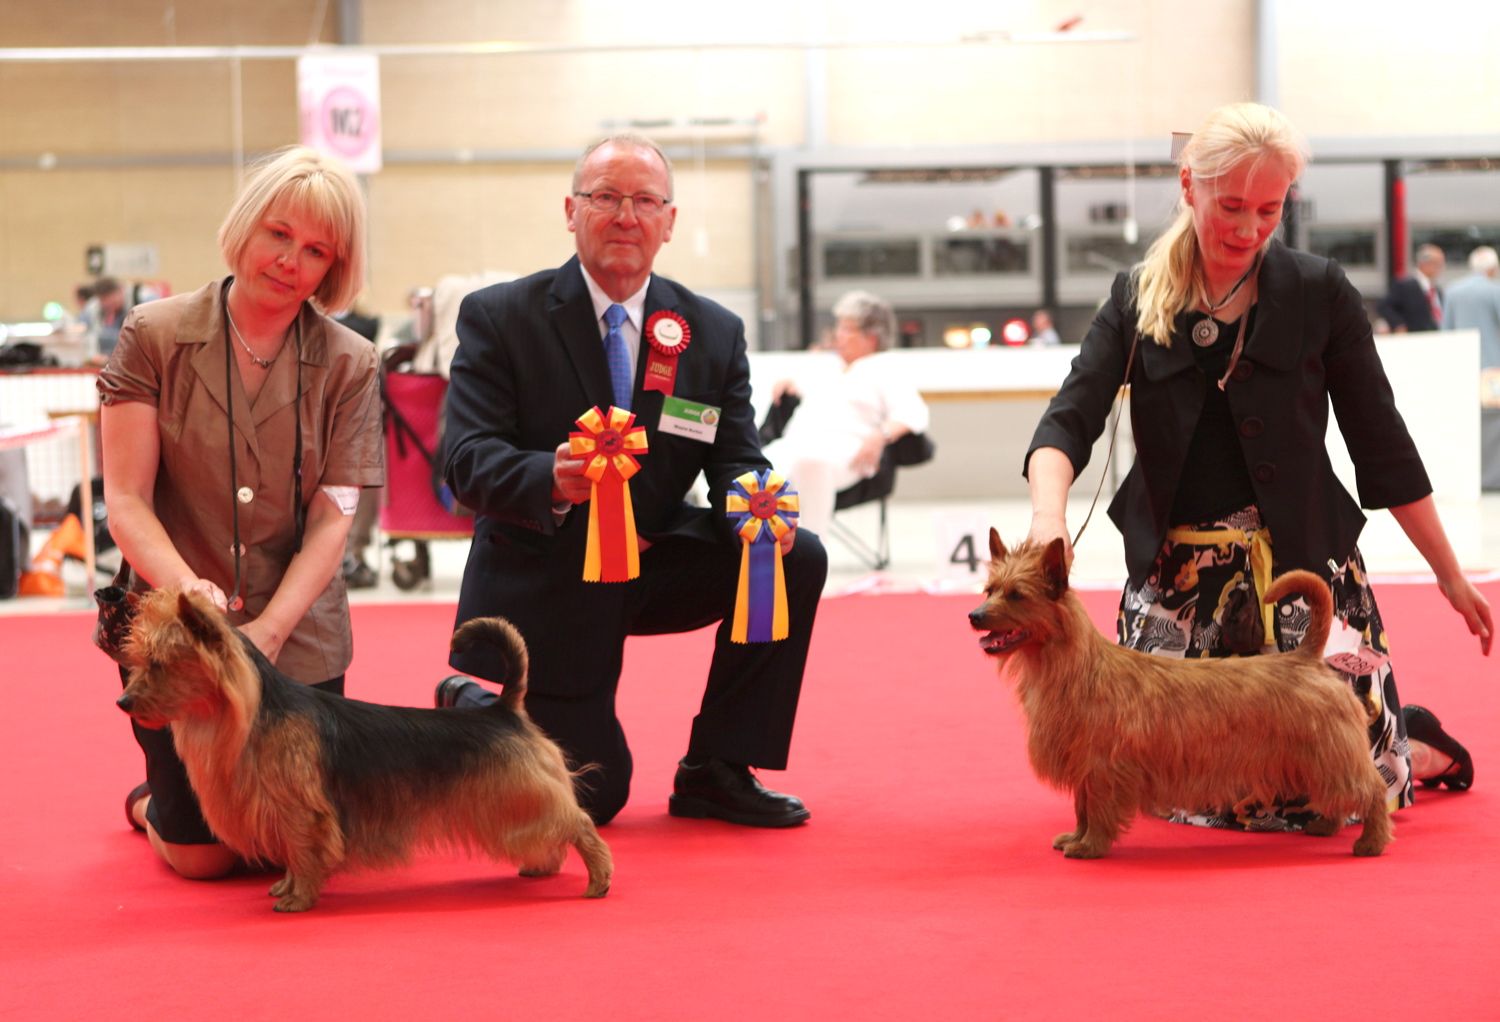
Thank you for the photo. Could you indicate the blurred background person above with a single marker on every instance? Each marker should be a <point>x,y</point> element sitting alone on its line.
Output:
<point>1415,302</point>
<point>1043,332</point>
<point>1474,304</point>
<point>102,316</point>
<point>842,424</point>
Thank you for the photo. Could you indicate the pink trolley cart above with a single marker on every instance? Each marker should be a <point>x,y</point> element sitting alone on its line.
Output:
<point>416,505</point>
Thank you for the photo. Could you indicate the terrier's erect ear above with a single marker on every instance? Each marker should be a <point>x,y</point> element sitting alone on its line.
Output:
<point>997,548</point>
<point>203,628</point>
<point>1055,566</point>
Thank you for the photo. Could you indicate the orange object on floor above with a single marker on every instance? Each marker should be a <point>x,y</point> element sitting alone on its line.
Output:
<point>44,577</point>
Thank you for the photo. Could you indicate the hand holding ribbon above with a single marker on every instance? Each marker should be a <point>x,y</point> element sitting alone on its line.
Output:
<point>764,508</point>
<point>609,443</point>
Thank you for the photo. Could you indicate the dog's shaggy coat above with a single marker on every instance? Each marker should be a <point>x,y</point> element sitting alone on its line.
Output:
<point>291,775</point>
<point>1127,732</point>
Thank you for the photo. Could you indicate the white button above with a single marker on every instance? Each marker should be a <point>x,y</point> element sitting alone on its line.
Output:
<point>245,494</point>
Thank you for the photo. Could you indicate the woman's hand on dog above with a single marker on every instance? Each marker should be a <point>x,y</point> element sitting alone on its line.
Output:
<point>1047,526</point>
<point>267,639</point>
<point>204,587</point>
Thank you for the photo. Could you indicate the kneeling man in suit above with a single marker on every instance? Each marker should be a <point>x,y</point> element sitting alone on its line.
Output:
<point>533,356</point>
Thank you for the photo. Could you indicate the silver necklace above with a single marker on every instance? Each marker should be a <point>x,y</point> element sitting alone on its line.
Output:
<point>264,363</point>
<point>1206,331</point>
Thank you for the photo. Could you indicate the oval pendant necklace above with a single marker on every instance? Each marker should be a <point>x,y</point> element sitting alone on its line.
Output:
<point>1206,331</point>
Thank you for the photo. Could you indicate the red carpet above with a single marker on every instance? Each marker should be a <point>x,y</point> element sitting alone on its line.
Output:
<point>924,887</point>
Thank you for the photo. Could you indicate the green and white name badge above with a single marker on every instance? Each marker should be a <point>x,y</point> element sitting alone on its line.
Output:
<point>689,418</point>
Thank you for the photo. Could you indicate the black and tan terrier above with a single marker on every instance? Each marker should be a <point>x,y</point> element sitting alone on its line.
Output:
<point>314,782</point>
<point>1128,732</point>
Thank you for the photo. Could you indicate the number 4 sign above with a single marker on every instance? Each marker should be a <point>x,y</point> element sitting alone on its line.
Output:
<point>963,543</point>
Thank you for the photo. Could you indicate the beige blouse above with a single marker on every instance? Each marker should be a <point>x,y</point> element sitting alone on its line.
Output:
<point>171,356</point>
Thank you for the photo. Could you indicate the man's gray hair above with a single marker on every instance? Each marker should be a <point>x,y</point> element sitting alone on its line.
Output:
<point>625,138</point>
<point>871,314</point>
<point>1484,260</point>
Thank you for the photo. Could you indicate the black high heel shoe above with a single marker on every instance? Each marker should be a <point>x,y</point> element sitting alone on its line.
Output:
<point>1423,726</point>
<point>140,791</point>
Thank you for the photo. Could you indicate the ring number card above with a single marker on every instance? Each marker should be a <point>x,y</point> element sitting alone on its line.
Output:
<point>963,544</point>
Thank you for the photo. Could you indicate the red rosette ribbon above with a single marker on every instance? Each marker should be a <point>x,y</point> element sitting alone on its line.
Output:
<point>667,337</point>
<point>610,443</point>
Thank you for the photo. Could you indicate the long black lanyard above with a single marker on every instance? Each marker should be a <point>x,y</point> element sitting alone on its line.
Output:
<point>299,513</point>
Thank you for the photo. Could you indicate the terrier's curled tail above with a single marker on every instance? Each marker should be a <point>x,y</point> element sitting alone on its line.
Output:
<point>1319,604</point>
<point>501,633</point>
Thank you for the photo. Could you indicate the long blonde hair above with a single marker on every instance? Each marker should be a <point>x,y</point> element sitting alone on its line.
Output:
<point>1168,279</point>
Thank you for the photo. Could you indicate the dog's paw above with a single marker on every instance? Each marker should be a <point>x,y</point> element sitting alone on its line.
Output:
<point>1368,846</point>
<point>1084,850</point>
<point>1063,840</point>
<point>295,903</point>
<point>1323,826</point>
<point>293,898</point>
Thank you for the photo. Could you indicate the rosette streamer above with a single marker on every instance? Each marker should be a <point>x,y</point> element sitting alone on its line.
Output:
<point>764,507</point>
<point>610,443</point>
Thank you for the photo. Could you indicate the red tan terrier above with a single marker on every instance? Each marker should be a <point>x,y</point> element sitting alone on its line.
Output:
<point>314,782</point>
<point>1127,732</point>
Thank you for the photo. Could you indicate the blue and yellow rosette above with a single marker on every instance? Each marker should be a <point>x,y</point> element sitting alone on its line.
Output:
<point>610,443</point>
<point>764,508</point>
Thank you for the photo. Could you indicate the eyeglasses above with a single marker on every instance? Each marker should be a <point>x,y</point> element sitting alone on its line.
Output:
<point>605,201</point>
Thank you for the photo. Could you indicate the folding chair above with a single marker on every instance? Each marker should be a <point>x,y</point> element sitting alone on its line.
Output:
<point>910,449</point>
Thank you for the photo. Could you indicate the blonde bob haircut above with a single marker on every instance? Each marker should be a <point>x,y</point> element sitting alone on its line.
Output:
<point>319,187</point>
<point>1170,278</point>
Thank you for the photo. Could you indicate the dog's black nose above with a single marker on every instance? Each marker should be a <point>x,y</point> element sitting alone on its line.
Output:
<point>125,702</point>
<point>976,617</point>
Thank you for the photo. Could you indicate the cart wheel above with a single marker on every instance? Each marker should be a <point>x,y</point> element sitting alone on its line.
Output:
<point>409,574</point>
<point>406,574</point>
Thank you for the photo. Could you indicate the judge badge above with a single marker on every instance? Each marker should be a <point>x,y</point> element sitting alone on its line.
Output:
<point>667,336</point>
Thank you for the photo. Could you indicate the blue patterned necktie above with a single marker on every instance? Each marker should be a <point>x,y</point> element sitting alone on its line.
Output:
<point>618,358</point>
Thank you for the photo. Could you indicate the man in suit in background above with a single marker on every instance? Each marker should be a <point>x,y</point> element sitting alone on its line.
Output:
<point>1415,302</point>
<point>1474,304</point>
<point>531,360</point>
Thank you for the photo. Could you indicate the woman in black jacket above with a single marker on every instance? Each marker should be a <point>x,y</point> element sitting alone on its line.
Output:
<point>1239,345</point>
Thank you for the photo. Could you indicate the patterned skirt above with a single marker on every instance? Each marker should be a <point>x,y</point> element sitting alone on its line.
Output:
<point>1194,604</point>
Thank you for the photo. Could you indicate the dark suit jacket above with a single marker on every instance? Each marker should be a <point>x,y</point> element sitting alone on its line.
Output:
<point>1311,343</point>
<point>1407,305</point>
<point>531,361</point>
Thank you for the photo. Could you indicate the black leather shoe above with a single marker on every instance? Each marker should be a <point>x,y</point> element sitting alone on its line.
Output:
<point>1423,726</point>
<point>445,697</point>
<point>140,791</point>
<point>726,791</point>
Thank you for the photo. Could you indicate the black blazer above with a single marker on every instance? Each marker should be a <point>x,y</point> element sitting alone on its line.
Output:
<point>530,361</point>
<point>1407,305</point>
<point>1311,343</point>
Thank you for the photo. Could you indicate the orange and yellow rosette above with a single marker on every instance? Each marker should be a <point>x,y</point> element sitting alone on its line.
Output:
<point>764,508</point>
<point>610,443</point>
